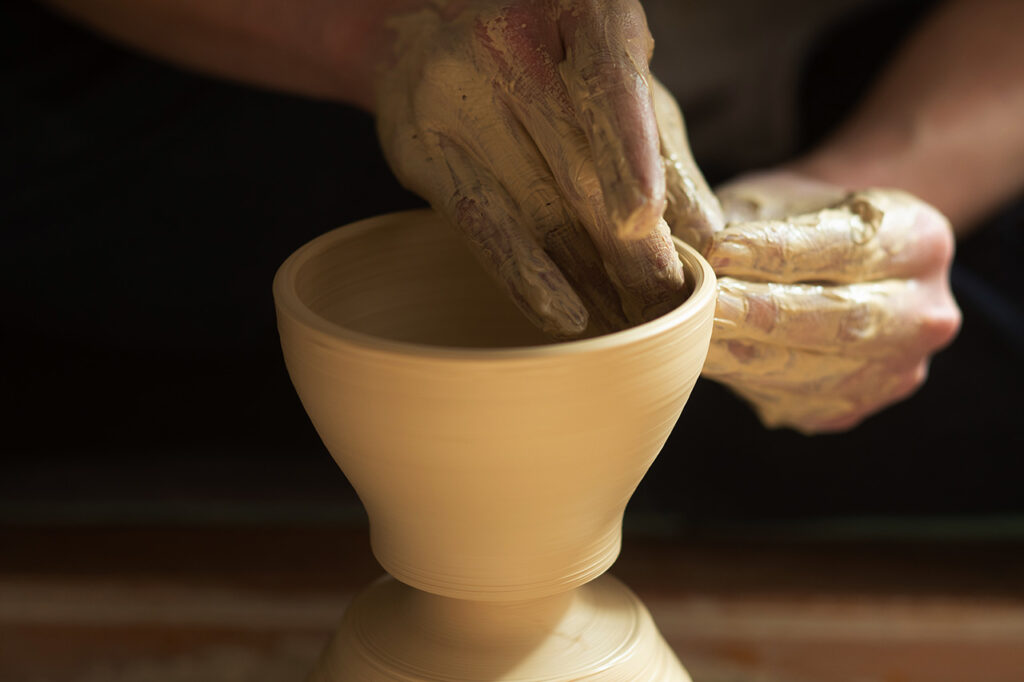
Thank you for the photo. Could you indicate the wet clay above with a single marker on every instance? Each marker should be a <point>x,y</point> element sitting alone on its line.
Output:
<point>543,157</point>
<point>828,300</point>
<point>495,467</point>
<point>693,210</point>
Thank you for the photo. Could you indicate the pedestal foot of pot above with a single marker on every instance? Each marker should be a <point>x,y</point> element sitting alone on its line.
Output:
<point>600,632</point>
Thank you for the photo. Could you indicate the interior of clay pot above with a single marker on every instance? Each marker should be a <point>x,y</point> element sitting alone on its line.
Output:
<point>410,279</point>
<point>407,277</point>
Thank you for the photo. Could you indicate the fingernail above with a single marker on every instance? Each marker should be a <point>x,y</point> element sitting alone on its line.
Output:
<point>544,296</point>
<point>730,307</point>
<point>571,319</point>
<point>730,253</point>
<point>562,314</point>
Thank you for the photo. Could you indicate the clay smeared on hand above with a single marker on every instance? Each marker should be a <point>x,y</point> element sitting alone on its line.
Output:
<point>531,127</point>
<point>830,302</point>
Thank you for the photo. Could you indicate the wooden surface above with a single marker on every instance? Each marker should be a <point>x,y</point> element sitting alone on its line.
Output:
<point>226,604</point>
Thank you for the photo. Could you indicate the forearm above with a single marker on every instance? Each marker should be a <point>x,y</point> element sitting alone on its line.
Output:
<point>944,121</point>
<point>320,48</point>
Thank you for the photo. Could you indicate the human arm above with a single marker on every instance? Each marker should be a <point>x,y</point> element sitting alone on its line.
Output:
<point>825,315</point>
<point>326,49</point>
<point>944,120</point>
<point>529,124</point>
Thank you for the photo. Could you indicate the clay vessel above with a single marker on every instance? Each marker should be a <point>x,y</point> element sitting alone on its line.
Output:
<point>495,466</point>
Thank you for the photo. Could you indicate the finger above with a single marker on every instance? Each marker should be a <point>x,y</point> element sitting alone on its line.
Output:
<point>647,272</point>
<point>605,71</point>
<point>571,248</point>
<point>870,235</point>
<point>898,387</point>
<point>516,162</point>
<point>693,211</point>
<point>487,218</point>
<point>811,414</point>
<point>781,367</point>
<point>811,374</point>
<point>871,319</point>
<point>811,391</point>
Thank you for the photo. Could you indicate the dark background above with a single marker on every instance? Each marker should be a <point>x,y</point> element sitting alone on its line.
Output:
<point>144,211</point>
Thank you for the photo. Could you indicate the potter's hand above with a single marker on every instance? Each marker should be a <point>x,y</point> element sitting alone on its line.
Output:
<point>830,303</point>
<point>530,125</point>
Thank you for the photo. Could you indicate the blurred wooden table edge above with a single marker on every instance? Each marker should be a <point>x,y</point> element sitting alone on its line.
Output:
<point>169,603</point>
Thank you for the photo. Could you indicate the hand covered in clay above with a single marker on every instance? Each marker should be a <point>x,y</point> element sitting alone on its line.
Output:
<point>530,124</point>
<point>830,302</point>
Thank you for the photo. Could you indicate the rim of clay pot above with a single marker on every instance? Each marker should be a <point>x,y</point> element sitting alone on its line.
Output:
<point>289,302</point>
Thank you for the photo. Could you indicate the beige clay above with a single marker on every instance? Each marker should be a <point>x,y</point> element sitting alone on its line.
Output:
<point>495,467</point>
<point>829,302</point>
<point>545,158</point>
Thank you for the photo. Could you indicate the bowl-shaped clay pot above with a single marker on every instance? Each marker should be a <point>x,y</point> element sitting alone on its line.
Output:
<point>493,464</point>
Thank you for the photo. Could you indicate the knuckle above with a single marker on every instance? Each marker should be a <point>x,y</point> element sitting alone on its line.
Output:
<point>762,312</point>
<point>939,318</point>
<point>858,324</point>
<point>934,237</point>
<point>941,251</point>
<point>945,246</point>
<point>939,327</point>
<point>445,71</point>
<point>468,216</point>
<point>540,202</point>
